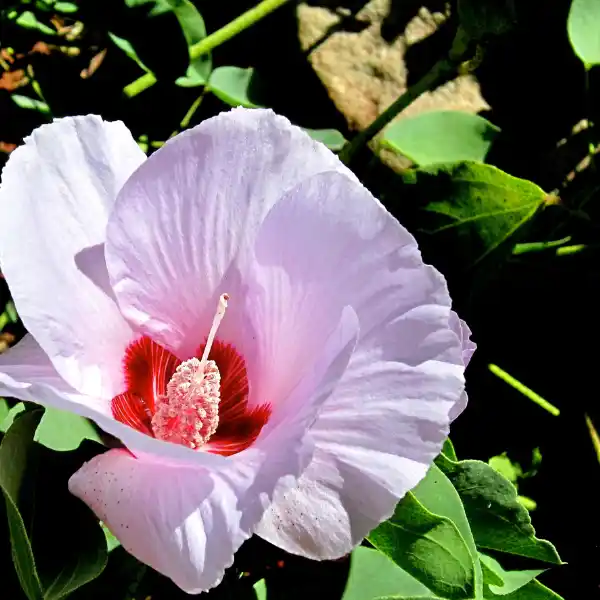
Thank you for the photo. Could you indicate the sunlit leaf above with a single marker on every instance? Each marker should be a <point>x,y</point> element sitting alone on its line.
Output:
<point>30,103</point>
<point>441,136</point>
<point>504,581</point>
<point>332,138</point>
<point>28,20</point>
<point>498,520</point>
<point>233,85</point>
<point>583,26</point>
<point>429,547</point>
<point>467,211</point>
<point>534,590</point>
<point>374,575</point>
<point>62,431</point>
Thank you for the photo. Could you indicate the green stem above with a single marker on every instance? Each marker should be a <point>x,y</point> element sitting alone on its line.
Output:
<point>436,75</point>
<point>213,40</point>
<point>527,392</point>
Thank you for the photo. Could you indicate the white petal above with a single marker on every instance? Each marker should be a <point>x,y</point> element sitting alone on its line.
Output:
<point>182,221</point>
<point>56,192</point>
<point>379,431</point>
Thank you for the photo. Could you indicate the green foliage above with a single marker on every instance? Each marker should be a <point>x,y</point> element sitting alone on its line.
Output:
<point>441,136</point>
<point>469,211</point>
<point>69,548</point>
<point>583,26</point>
<point>234,86</point>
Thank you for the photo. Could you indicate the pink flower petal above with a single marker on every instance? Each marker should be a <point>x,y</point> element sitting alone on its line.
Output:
<point>461,329</point>
<point>57,190</point>
<point>387,418</point>
<point>187,522</point>
<point>181,226</point>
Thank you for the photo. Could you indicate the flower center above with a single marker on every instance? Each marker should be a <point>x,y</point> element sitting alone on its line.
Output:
<point>188,413</point>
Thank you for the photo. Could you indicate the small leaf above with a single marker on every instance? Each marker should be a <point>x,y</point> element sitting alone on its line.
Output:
<point>61,430</point>
<point>126,47</point>
<point>28,20</point>
<point>373,575</point>
<point>332,138</point>
<point>468,211</point>
<point>10,417</point>
<point>441,136</point>
<point>30,103</point>
<point>583,26</point>
<point>194,30</point>
<point>14,454</point>
<point>498,520</point>
<point>429,547</point>
<point>233,85</point>
<point>448,450</point>
<point>4,410</point>
<point>505,582</point>
<point>260,590</point>
<point>504,466</point>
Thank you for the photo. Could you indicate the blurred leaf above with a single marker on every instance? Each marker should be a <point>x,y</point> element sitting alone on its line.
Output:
<point>260,590</point>
<point>30,103</point>
<point>62,431</point>
<point>583,26</point>
<point>28,20</point>
<point>373,575</point>
<point>233,85</point>
<point>498,520</point>
<point>65,7</point>
<point>14,455</point>
<point>441,136</point>
<point>505,582</point>
<point>469,210</point>
<point>429,547</point>
<point>492,17</point>
<point>332,138</point>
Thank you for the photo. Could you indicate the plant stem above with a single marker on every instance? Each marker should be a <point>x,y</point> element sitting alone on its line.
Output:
<point>213,40</point>
<point>527,392</point>
<point>436,75</point>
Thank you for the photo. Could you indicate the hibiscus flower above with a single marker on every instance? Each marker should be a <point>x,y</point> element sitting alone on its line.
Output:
<point>260,334</point>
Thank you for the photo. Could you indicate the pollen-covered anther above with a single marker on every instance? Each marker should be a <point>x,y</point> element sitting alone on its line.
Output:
<point>189,413</point>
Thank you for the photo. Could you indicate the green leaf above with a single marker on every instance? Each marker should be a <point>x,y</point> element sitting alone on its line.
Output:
<point>180,25</point>
<point>501,463</point>
<point>492,17</point>
<point>498,520</point>
<point>30,103</point>
<point>429,547</point>
<point>8,419</point>
<point>441,136</point>
<point>470,211</point>
<point>233,85</point>
<point>505,582</point>
<point>194,30</point>
<point>69,546</point>
<point>260,590</point>
<point>28,20</point>
<point>4,410</point>
<point>14,455</point>
<point>583,26</point>
<point>373,575</point>
<point>332,138</point>
<point>534,590</point>
<point>448,450</point>
<point>61,430</point>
